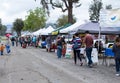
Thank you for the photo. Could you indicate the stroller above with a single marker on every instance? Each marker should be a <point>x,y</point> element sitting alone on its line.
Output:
<point>24,45</point>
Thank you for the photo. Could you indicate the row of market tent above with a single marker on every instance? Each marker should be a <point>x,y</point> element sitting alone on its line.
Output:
<point>80,27</point>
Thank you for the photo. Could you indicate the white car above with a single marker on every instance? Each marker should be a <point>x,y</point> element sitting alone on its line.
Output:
<point>109,45</point>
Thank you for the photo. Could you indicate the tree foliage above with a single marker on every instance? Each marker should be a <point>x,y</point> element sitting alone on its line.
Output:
<point>18,25</point>
<point>108,6</point>
<point>0,24</point>
<point>35,19</point>
<point>64,5</point>
<point>2,28</point>
<point>94,10</point>
<point>63,20</point>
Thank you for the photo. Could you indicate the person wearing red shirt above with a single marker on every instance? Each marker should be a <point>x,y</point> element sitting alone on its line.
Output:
<point>88,40</point>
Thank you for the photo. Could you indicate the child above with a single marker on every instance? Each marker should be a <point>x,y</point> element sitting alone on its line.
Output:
<point>2,47</point>
<point>7,48</point>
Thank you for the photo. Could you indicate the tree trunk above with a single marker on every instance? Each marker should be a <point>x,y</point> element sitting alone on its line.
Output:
<point>70,16</point>
<point>19,33</point>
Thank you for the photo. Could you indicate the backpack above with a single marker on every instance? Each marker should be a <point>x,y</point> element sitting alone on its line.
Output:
<point>77,43</point>
<point>76,46</point>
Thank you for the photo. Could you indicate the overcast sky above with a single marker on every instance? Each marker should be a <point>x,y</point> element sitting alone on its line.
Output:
<point>12,9</point>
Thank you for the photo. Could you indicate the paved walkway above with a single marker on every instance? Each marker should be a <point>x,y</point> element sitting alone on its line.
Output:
<point>98,74</point>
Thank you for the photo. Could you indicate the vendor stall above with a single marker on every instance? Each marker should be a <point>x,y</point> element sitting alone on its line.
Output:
<point>69,51</point>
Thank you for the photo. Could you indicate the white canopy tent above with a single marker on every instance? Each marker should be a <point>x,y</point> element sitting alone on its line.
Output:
<point>38,31</point>
<point>26,33</point>
<point>47,31</point>
<point>72,28</point>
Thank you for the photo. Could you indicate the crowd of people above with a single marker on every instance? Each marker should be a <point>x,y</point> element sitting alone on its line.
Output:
<point>60,44</point>
<point>25,41</point>
<point>88,42</point>
<point>76,42</point>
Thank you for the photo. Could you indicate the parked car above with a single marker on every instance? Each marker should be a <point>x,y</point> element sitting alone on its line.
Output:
<point>109,45</point>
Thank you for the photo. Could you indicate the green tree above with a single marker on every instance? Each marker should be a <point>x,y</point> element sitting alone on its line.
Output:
<point>94,10</point>
<point>18,25</point>
<point>63,4</point>
<point>63,20</point>
<point>2,28</point>
<point>35,19</point>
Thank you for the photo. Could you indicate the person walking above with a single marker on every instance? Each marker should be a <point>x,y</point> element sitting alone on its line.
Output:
<point>49,42</point>
<point>7,45</point>
<point>63,46</point>
<point>29,40</point>
<point>59,47</point>
<point>76,48</point>
<point>8,48</point>
<point>116,50</point>
<point>16,41</point>
<point>13,40</point>
<point>34,41</point>
<point>88,40</point>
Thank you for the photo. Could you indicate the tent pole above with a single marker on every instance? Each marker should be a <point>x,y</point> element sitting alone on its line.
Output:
<point>99,32</point>
<point>99,36</point>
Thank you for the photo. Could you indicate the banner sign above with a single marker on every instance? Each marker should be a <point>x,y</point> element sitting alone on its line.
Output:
<point>110,18</point>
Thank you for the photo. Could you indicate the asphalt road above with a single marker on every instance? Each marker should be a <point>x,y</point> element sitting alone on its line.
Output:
<point>35,65</point>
